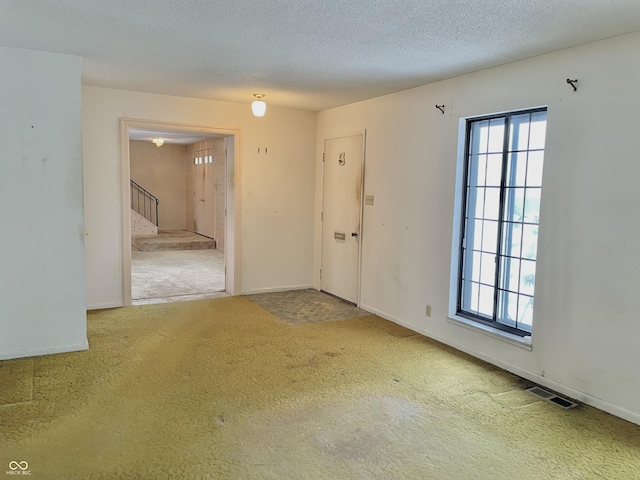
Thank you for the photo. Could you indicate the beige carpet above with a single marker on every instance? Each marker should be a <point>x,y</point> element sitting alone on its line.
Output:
<point>221,389</point>
<point>171,274</point>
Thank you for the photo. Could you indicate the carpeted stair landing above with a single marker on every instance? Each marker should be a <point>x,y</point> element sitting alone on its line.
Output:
<point>171,240</point>
<point>222,389</point>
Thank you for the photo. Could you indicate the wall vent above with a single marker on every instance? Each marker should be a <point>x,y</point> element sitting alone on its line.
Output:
<point>552,397</point>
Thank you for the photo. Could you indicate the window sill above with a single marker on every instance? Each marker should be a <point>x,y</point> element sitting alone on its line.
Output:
<point>522,342</point>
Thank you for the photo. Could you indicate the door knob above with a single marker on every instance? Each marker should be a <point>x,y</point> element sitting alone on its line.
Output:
<point>354,234</point>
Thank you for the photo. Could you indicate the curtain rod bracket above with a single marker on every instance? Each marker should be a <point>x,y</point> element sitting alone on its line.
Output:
<point>572,83</point>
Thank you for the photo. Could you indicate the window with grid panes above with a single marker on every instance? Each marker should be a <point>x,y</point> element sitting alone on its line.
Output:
<point>504,157</point>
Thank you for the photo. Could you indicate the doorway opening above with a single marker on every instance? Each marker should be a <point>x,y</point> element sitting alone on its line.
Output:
<point>178,212</point>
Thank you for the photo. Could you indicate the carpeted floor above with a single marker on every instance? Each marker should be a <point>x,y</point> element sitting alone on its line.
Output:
<point>160,275</point>
<point>222,389</point>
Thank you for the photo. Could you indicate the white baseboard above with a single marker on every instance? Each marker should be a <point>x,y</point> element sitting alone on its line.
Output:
<point>44,351</point>
<point>533,377</point>
<point>277,289</point>
<point>101,306</point>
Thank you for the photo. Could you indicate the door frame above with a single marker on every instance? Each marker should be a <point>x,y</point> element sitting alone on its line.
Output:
<point>337,136</point>
<point>232,251</point>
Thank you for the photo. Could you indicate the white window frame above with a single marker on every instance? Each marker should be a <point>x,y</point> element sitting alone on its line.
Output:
<point>454,317</point>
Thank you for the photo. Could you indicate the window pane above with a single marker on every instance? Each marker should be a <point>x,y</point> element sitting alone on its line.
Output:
<point>532,205</point>
<point>470,296</point>
<point>534,169</point>
<point>516,170</point>
<point>479,137</point>
<point>475,202</point>
<point>477,170</point>
<point>494,170</point>
<point>496,135</point>
<point>488,270</point>
<point>530,241</point>
<point>510,274</point>
<point>508,311</point>
<point>511,239</point>
<point>538,131</point>
<point>527,276</point>
<point>473,235</point>
<point>519,132</point>
<point>474,274</point>
<point>485,301</point>
<point>492,203</point>
<point>490,236</point>
<point>514,204</point>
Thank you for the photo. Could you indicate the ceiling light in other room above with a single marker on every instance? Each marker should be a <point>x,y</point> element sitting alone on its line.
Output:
<point>258,106</point>
<point>158,142</point>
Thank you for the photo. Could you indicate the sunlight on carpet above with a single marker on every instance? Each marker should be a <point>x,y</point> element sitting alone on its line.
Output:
<point>222,389</point>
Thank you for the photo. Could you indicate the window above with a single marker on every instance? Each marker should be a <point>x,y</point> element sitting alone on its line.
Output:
<point>207,159</point>
<point>498,236</point>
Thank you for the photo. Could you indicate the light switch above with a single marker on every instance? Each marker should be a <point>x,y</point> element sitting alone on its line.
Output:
<point>368,199</point>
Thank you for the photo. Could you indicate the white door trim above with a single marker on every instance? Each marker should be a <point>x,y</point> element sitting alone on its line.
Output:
<point>336,136</point>
<point>352,133</point>
<point>233,248</point>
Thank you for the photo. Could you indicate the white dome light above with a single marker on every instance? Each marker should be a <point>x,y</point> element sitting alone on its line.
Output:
<point>258,107</point>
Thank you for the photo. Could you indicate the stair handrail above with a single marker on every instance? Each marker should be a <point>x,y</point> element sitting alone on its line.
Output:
<point>152,200</point>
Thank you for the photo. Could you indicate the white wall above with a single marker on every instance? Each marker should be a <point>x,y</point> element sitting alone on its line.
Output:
<point>162,172</point>
<point>42,290</point>
<point>586,331</point>
<point>277,188</point>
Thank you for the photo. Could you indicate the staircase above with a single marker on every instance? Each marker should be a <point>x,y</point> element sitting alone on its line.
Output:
<point>145,205</point>
<point>145,235</point>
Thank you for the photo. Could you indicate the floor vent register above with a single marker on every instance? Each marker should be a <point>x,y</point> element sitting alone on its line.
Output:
<point>552,397</point>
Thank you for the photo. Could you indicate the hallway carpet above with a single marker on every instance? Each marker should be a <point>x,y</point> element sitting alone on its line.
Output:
<point>222,389</point>
<point>172,274</point>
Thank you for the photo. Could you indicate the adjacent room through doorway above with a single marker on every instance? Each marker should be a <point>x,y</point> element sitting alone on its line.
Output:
<point>178,194</point>
<point>175,265</point>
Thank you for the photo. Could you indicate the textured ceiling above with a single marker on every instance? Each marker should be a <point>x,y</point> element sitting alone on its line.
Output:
<point>306,54</point>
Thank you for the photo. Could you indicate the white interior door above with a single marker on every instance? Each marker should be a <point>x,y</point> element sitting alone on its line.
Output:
<point>203,191</point>
<point>342,207</point>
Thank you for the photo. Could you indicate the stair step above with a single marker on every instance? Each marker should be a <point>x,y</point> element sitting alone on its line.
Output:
<point>172,240</point>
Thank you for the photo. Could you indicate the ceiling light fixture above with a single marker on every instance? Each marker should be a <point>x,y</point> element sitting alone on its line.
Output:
<point>258,107</point>
<point>158,142</point>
